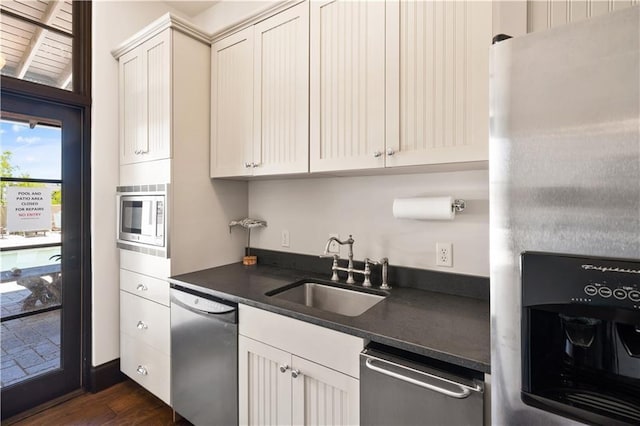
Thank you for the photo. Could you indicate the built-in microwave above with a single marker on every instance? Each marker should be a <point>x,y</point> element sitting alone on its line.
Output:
<point>142,217</point>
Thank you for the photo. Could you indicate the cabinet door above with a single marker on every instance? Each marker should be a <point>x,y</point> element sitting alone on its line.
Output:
<point>232,105</point>
<point>543,15</point>
<point>438,76</point>
<point>133,106</point>
<point>322,396</point>
<point>347,85</point>
<point>281,93</point>
<point>264,390</point>
<point>145,101</point>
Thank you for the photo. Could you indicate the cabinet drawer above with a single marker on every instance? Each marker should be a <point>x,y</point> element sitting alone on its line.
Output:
<point>331,348</point>
<point>145,321</point>
<point>147,366</point>
<point>145,286</point>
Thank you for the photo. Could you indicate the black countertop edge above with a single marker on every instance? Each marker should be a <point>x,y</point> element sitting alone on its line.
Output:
<point>399,276</point>
<point>373,337</point>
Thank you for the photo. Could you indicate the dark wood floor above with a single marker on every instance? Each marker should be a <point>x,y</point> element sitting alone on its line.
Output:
<point>126,403</point>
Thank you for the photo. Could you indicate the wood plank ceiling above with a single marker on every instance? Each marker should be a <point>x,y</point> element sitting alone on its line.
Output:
<point>32,52</point>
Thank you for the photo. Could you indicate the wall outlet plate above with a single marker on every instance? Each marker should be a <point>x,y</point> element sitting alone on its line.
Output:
<point>285,238</point>
<point>334,247</point>
<point>444,254</point>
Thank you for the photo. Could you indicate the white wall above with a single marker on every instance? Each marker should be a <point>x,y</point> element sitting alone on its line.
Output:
<point>310,209</point>
<point>229,12</point>
<point>113,22</point>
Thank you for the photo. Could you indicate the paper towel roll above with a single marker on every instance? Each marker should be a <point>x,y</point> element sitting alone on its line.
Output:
<point>433,208</point>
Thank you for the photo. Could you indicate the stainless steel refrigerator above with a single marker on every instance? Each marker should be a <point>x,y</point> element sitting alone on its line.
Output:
<point>564,177</point>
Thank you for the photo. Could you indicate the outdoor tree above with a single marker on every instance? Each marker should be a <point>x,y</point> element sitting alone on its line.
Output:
<point>7,169</point>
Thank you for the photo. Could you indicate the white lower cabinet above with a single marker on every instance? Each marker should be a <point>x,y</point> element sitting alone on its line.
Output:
<point>145,332</point>
<point>147,366</point>
<point>277,386</point>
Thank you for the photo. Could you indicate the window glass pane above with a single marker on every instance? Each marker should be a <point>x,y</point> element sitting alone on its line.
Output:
<point>54,13</point>
<point>30,346</point>
<point>33,53</point>
<point>30,149</point>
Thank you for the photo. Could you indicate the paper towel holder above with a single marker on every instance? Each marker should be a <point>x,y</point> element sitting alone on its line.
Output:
<point>458,205</point>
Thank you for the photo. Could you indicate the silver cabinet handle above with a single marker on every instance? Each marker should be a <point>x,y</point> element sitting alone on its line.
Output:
<point>141,287</point>
<point>284,368</point>
<point>465,391</point>
<point>142,326</point>
<point>136,152</point>
<point>254,165</point>
<point>142,370</point>
<point>377,154</point>
<point>390,152</point>
<point>295,373</point>
<point>247,165</point>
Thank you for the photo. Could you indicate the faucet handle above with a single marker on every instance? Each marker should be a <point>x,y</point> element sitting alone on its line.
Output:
<point>325,256</point>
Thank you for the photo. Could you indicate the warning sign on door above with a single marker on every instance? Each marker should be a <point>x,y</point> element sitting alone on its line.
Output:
<point>28,209</point>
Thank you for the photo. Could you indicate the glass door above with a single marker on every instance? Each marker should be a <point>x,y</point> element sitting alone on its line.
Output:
<point>40,252</point>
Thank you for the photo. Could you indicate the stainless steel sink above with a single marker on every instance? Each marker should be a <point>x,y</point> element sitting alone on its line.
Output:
<point>331,298</point>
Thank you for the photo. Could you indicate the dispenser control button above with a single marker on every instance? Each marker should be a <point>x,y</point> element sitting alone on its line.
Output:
<point>634,295</point>
<point>605,291</point>
<point>590,290</point>
<point>620,294</point>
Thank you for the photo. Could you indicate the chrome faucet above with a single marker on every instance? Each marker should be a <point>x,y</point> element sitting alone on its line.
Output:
<point>350,270</point>
<point>335,268</point>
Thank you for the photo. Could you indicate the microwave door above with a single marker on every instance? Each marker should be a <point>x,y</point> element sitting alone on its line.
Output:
<point>131,217</point>
<point>148,225</point>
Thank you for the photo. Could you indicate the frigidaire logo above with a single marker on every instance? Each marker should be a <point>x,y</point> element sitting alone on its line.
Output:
<point>610,269</point>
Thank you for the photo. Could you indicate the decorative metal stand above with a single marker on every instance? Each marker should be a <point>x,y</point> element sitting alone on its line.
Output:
<point>248,224</point>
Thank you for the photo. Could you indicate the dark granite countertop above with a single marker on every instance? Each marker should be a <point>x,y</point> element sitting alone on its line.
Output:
<point>446,327</point>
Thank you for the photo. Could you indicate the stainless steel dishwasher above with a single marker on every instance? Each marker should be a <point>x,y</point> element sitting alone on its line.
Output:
<point>403,389</point>
<point>204,358</point>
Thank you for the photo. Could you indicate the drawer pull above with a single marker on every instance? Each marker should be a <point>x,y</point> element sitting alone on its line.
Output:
<point>142,326</point>
<point>142,287</point>
<point>295,373</point>
<point>284,368</point>
<point>142,370</point>
<point>390,152</point>
<point>377,154</point>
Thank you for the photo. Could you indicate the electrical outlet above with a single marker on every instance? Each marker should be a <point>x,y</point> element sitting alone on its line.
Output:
<point>334,247</point>
<point>285,238</point>
<point>444,254</point>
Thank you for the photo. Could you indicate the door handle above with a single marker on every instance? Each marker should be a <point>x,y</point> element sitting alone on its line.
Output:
<point>142,370</point>
<point>464,392</point>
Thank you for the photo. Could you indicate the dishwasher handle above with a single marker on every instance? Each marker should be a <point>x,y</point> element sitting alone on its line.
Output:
<point>464,392</point>
<point>205,307</point>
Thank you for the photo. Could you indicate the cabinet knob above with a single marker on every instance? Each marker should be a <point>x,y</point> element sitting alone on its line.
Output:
<point>142,326</point>
<point>377,154</point>
<point>248,165</point>
<point>254,165</point>
<point>390,152</point>
<point>136,152</point>
<point>284,368</point>
<point>141,287</point>
<point>142,370</point>
<point>295,373</point>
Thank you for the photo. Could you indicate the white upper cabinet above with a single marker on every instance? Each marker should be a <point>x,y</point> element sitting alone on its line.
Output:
<point>145,101</point>
<point>232,105</point>
<point>281,93</point>
<point>438,81</point>
<point>347,100</point>
<point>260,98</point>
<point>548,14</point>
